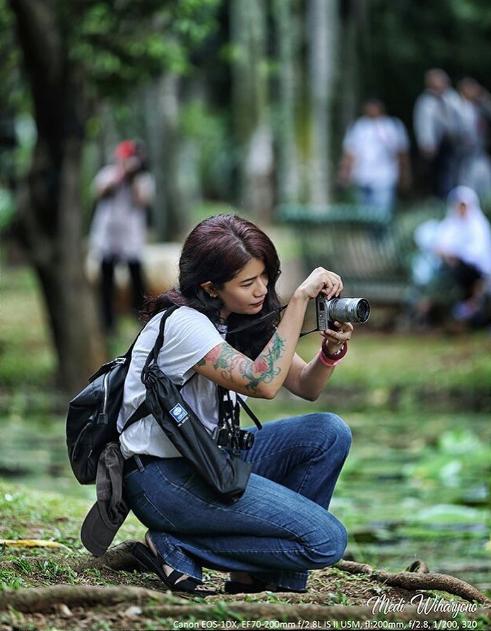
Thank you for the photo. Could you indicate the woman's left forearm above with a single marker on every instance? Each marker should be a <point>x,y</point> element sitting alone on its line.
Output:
<point>313,379</point>
<point>318,371</point>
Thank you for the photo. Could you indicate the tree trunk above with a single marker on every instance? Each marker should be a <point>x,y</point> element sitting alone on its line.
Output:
<point>288,176</point>
<point>50,206</point>
<point>155,141</point>
<point>352,50</point>
<point>176,218</point>
<point>322,27</point>
<point>250,102</point>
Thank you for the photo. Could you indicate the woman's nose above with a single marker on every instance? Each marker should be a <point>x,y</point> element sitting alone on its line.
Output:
<point>260,289</point>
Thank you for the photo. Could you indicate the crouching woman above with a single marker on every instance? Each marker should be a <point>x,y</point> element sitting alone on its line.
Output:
<point>281,526</point>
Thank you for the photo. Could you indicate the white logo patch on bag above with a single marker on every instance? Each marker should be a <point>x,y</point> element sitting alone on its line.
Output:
<point>179,414</point>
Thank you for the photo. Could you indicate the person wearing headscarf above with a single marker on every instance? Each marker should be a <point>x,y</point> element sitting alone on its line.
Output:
<point>457,256</point>
<point>464,236</point>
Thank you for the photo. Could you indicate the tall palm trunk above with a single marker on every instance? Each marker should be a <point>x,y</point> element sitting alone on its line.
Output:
<point>251,111</point>
<point>288,175</point>
<point>322,26</point>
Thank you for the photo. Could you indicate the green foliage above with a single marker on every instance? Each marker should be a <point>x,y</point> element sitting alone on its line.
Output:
<point>116,45</point>
<point>10,95</point>
<point>409,36</point>
<point>7,209</point>
<point>121,44</point>
<point>217,155</point>
<point>458,461</point>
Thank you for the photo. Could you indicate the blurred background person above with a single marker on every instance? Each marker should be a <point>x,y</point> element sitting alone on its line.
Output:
<point>475,165</point>
<point>375,158</point>
<point>456,277</point>
<point>438,130</point>
<point>124,192</point>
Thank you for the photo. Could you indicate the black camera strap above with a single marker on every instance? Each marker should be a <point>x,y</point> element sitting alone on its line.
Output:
<point>263,318</point>
<point>249,412</point>
<point>229,410</point>
<point>228,413</point>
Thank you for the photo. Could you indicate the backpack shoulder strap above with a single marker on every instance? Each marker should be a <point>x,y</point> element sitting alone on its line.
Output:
<point>139,413</point>
<point>154,353</point>
<point>142,409</point>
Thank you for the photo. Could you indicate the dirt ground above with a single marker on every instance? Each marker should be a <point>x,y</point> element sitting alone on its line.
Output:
<point>334,599</point>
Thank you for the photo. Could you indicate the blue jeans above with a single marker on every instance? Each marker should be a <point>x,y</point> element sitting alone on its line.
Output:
<point>380,198</point>
<point>280,527</point>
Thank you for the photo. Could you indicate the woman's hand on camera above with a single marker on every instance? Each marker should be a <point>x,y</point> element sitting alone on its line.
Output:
<point>320,281</point>
<point>334,339</point>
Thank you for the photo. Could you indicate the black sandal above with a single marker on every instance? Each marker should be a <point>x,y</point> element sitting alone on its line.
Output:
<point>149,562</point>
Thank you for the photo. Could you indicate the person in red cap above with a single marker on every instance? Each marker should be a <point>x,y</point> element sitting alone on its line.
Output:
<point>124,190</point>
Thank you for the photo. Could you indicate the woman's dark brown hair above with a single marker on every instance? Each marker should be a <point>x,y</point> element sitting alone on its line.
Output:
<point>216,250</point>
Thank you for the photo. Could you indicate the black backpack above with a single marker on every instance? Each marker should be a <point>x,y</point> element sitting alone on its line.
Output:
<point>92,423</point>
<point>92,416</point>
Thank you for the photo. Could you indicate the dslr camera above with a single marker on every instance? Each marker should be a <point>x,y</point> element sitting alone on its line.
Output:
<point>355,310</point>
<point>232,437</point>
<point>228,434</point>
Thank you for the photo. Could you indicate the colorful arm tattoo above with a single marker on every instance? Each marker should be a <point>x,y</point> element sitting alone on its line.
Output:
<point>263,370</point>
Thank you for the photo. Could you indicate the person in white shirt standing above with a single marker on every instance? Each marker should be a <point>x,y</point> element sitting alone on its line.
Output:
<point>438,127</point>
<point>375,158</point>
<point>124,191</point>
<point>475,165</point>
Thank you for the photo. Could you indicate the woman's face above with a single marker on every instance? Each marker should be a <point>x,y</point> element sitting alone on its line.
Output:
<point>246,292</point>
<point>462,209</point>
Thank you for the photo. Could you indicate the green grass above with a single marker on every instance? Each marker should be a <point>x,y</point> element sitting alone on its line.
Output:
<point>385,361</point>
<point>376,364</point>
<point>25,352</point>
<point>28,513</point>
<point>416,483</point>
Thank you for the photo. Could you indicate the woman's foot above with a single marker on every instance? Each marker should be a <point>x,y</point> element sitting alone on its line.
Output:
<point>167,568</point>
<point>150,560</point>
<point>244,583</point>
<point>241,577</point>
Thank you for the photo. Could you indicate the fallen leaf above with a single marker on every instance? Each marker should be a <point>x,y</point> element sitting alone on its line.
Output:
<point>32,543</point>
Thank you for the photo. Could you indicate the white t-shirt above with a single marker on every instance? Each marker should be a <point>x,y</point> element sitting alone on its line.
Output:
<point>188,336</point>
<point>375,144</point>
<point>436,116</point>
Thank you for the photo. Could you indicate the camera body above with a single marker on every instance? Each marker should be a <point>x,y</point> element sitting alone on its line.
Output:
<point>341,309</point>
<point>232,437</point>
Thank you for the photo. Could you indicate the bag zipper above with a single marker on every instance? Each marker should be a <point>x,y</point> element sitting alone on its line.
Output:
<point>77,442</point>
<point>102,418</point>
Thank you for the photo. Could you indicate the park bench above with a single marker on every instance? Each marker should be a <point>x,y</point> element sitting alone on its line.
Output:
<point>372,256</point>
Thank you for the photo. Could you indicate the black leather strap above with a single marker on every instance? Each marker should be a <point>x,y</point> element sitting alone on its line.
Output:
<point>131,464</point>
<point>249,412</point>
<point>154,353</point>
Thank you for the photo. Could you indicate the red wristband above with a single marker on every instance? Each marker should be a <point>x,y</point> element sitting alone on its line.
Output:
<point>332,360</point>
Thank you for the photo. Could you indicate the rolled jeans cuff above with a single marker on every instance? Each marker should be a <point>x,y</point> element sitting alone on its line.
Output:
<point>174,557</point>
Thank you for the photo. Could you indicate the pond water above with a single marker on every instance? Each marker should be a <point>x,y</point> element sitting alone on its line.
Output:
<point>416,486</point>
